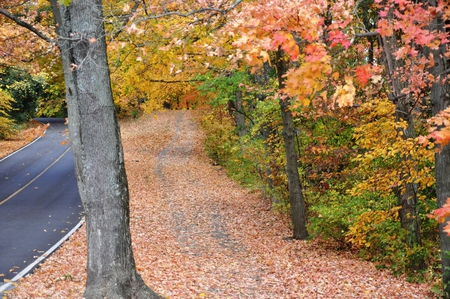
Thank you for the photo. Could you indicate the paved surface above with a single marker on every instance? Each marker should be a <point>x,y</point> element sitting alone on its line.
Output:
<point>39,201</point>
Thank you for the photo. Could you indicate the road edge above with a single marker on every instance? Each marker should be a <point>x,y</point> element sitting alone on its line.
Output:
<point>11,284</point>
<point>25,146</point>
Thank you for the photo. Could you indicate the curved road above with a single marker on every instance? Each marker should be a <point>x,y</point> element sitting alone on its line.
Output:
<point>39,200</point>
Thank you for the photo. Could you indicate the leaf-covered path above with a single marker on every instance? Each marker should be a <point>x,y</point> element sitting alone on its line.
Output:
<point>197,234</point>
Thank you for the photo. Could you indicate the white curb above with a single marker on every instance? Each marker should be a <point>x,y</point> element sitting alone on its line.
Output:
<point>9,285</point>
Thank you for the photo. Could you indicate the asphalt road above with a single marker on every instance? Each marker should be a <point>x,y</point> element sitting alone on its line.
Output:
<point>39,201</point>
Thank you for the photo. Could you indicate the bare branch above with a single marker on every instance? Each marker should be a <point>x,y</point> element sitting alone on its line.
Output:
<point>27,26</point>
<point>445,72</point>
<point>174,81</point>
<point>367,34</point>
<point>133,10</point>
<point>191,13</point>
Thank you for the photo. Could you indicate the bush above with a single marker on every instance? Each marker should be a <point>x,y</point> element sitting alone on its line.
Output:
<point>381,239</point>
<point>333,213</point>
<point>222,144</point>
<point>220,137</point>
<point>7,125</point>
<point>370,224</point>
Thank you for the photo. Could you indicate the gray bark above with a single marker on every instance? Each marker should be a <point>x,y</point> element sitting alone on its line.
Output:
<point>440,100</point>
<point>95,140</point>
<point>298,211</point>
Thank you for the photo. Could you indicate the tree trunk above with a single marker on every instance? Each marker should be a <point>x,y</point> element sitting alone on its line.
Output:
<point>95,140</point>
<point>239,117</point>
<point>407,195</point>
<point>440,100</point>
<point>298,213</point>
<point>407,192</point>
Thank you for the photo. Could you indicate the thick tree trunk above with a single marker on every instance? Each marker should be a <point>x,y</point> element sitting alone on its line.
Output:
<point>440,100</point>
<point>95,140</point>
<point>298,212</point>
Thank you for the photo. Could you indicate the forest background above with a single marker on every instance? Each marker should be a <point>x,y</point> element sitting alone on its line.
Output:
<point>328,107</point>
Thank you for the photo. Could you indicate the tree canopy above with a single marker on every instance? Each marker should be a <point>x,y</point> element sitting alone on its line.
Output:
<point>337,109</point>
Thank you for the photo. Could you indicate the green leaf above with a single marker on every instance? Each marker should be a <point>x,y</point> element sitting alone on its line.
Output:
<point>65,2</point>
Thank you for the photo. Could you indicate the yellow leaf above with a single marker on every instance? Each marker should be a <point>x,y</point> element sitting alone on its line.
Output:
<point>335,75</point>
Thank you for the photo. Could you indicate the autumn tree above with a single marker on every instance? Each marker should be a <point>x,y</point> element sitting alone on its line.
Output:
<point>416,43</point>
<point>438,52</point>
<point>156,57</point>
<point>95,138</point>
<point>321,73</point>
<point>291,36</point>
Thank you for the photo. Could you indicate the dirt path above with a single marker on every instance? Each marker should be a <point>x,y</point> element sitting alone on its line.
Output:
<point>196,234</point>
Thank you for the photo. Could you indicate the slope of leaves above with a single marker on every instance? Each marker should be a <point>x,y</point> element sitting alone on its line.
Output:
<point>196,234</point>
<point>21,138</point>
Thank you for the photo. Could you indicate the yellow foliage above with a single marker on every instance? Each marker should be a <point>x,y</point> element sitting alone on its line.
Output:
<point>6,122</point>
<point>365,226</point>
<point>157,65</point>
<point>307,81</point>
<point>345,95</point>
<point>382,145</point>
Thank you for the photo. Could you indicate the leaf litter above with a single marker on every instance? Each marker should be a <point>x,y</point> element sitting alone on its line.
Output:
<point>197,234</point>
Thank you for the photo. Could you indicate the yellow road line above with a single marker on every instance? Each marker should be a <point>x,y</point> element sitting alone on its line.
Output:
<point>30,182</point>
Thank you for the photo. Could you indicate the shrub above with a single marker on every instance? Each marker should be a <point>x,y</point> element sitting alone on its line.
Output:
<point>220,137</point>
<point>333,213</point>
<point>6,123</point>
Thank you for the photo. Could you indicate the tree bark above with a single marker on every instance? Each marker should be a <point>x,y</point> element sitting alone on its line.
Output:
<point>440,100</point>
<point>238,115</point>
<point>298,212</point>
<point>407,192</point>
<point>96,143</point>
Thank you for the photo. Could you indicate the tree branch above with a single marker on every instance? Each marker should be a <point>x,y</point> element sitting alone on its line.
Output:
<point>133,10</point>
<point>174,81</point>
<point>367,34</point>
<point>27,26</point>
<point>191,13</point>
<point>445,72</point>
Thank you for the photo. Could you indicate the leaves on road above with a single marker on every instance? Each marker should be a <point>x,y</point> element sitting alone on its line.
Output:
<point>33,131</point>
<point>196,234</point>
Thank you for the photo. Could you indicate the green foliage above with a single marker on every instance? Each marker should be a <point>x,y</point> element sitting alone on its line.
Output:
<point>223,146</point>
<point>65,2</point>
<point>241,167</point>
<point>369,223</point>
<point>222,88</point>
<point>333,213</point>
<point>52,102</point>
<point>26,90</point>
<point>379,236</point>
<point>220,137</point>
